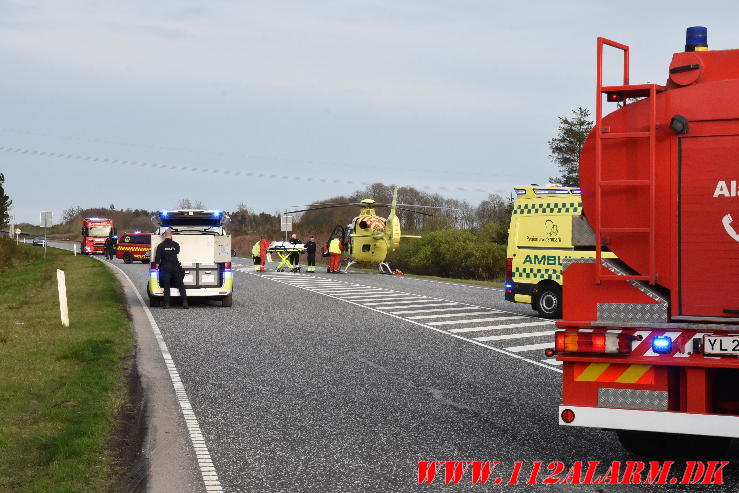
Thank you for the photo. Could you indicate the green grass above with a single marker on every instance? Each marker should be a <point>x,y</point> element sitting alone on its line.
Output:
<point>61,388</point>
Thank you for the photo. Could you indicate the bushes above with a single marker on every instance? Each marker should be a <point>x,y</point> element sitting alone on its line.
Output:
<point>453,253</point>
<point>12,253</point>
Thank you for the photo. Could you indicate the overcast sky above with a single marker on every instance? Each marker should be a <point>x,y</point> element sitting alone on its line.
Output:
<point>459,97</point>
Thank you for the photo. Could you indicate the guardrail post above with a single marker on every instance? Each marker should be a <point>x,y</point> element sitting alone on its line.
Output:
<point>62,286</point>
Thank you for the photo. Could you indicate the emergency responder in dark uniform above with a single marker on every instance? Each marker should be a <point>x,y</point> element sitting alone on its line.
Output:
<point>170,270</point>
<point>294,257</point>
<point>310,250</point>
<point>108,247</point>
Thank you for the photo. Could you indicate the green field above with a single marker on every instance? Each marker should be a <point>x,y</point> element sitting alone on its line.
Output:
<point>61,388</point>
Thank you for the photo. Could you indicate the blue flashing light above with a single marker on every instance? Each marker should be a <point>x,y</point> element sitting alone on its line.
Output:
<point>661,344</point>
<point>93,218</point>
<point>696,36</point>
<point>575,191</point>
<point>508,286</point>
<point>164,213</point>
<point>562,192</point>
<point>216,213</point>
<point>520,191</point>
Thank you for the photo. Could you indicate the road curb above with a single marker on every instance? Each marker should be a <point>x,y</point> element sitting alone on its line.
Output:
<point>171,461</point>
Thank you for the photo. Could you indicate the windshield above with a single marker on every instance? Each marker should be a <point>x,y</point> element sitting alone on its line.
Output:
<point>99,231</point>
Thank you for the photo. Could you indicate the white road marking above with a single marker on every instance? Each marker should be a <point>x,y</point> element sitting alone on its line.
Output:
<point>529,347</point>
<point>552,361</point>
<point>369,296</point>
<point>470,321</point>
<point>521,335</point>
<point>393,305</point>
<point>448,315</point>
<point>409,299</point>
<point>205,463</point>
<point>404,305</point>
<point>497,327</point>
<point>405,312</point>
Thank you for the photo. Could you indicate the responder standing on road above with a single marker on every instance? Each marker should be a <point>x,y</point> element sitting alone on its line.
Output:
<point>170,270</point>
<point>334,251</point>
<point>255,255</point>
<point>108,247</point>
<point>310,250</point>
<point>263,245</point>
<point>294,257</point>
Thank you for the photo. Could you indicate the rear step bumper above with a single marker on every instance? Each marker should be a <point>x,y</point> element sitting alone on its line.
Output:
<point>719,425</point>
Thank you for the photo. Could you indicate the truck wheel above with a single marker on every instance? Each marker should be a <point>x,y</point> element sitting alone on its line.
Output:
<point>127,258</point>
<point>227,300</point>
<point>668,446</point>
<point>548,301</point>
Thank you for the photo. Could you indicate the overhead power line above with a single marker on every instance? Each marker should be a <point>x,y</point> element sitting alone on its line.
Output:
<point>98,160</point>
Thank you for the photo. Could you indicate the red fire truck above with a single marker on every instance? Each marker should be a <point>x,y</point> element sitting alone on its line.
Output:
<point>649,342</point>
<point>94,232</point>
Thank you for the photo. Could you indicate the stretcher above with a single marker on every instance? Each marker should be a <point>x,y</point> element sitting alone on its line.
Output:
<point>284,249</point>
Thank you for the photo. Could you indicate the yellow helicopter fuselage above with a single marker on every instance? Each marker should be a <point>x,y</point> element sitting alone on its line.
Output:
<point>369,241</point>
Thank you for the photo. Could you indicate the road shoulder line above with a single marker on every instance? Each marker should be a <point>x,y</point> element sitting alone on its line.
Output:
<point>173,458</point>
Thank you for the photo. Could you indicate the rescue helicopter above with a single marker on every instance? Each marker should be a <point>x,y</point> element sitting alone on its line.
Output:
<point>369,237</point>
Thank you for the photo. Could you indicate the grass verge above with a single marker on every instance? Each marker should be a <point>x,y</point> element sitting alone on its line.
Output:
<point>488,284</point>
<point>60,388</point>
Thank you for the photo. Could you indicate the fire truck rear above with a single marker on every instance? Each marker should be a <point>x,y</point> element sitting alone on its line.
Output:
<point>94,232</point>
<point>649,342</point>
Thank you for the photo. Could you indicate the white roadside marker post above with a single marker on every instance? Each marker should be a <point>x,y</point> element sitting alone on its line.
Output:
<point>74,248</point>
<point>62,285</point>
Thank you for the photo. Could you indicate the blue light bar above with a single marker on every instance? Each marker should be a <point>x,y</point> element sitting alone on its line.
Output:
<point>164,213</point>
<point>696,36</point>
<point>562,192</point>
<point>661,344</point>
<point>575,191</point>
<point>216,213</point>
<point>542,191</point>
<point>520,191</point>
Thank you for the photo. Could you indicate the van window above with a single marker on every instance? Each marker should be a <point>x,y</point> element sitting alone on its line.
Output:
<point>146,239</point>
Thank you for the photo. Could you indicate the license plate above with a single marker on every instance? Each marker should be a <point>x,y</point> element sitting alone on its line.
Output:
<point>721,345</point>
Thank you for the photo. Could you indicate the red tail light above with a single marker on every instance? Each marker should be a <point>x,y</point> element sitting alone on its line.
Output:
<point>227,265</point>
<point>592,342</point>
<point>509,268</point>
<point>154,266</point>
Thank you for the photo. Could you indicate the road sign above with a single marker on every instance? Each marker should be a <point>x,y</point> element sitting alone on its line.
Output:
<point>45,219</point>
<point>17,231</point>
<point>286,223</point>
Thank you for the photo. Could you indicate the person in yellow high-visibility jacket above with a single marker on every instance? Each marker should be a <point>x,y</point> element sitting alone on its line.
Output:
<point>334,252</point>
<point>255,250</point>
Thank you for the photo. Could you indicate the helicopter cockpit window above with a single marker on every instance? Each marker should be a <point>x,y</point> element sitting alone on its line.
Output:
<point>363,224</point>
<point>365,248</point>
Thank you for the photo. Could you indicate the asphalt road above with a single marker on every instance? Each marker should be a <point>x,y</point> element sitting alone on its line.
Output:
<point>345,382</point>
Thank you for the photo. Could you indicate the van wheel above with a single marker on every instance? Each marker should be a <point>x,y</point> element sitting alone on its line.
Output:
<point>548,301</point>
<point>227,300</point>
<point>127,258</point>
<point>155,302</point>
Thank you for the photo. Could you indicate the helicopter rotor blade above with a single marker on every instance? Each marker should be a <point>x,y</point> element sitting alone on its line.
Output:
<point>333,206</point>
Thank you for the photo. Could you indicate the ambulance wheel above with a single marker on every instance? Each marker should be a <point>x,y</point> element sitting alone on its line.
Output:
<point>548,301</point>
<point>127,258</point>
<point>227,300</point>
<point>668,445</point>
<point>155,302</point>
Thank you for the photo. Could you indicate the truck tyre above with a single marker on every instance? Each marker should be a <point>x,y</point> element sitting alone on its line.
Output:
<point>127,258</point>
<point>548,301</point>
<point>672,446</point>
<point>227,300</point>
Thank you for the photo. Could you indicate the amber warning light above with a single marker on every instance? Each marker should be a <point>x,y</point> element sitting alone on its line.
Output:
<point>591,342</point>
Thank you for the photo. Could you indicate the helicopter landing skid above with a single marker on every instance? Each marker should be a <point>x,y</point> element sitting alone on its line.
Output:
<point>385,268</point>
<point>349,263</point>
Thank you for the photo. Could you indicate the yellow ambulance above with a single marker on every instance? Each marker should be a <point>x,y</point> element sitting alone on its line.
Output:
<point>547,226</point>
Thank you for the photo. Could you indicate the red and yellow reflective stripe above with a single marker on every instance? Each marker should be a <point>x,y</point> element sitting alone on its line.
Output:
<point>618,373</point>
